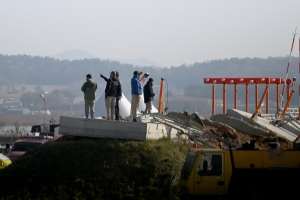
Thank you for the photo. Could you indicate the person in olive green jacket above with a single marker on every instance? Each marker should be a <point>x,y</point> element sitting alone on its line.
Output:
<point>89,89</point>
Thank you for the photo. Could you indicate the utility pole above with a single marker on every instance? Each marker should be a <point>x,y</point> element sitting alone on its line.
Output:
<point>42,96</point>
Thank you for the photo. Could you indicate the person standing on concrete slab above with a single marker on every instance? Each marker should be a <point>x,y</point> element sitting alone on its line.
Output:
<point>148,95</point>
<point>111,92</point>
<point>89,89</point>
<point>119,95</point>
<point>136,93</point>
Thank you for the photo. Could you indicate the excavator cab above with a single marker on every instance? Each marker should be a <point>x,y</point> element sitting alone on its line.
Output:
<point>211,165</point>
<point>209,174</point>
<point>205,173</point>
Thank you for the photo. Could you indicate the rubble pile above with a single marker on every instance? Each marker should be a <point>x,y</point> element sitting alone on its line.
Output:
<point>227,132</point>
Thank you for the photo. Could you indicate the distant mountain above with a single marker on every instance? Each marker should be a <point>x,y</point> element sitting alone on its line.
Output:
<point>81,54</point>
<point>139,62</point>
<point>74,55</point>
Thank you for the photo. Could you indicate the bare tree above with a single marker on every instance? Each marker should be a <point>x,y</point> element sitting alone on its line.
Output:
<point>16,132</point>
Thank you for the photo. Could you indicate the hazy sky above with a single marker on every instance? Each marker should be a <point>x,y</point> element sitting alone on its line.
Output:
<point>169,32</point>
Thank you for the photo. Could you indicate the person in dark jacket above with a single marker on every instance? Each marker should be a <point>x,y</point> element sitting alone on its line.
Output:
<point>119,95</point>
<point>148,95</point>
<point>89,88</point>
<point>111,92</point>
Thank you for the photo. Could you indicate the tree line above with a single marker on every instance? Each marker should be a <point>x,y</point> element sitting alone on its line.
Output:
<point>36,70</point>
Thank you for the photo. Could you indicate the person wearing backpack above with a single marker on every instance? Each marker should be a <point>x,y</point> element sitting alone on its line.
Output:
<point>111,92</point>
<point>119,95</point>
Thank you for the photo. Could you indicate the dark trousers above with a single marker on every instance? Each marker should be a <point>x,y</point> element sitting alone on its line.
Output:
<point>117,110</point>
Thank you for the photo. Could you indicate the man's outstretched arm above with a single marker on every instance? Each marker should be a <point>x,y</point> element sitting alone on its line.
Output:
<point>106,79</point>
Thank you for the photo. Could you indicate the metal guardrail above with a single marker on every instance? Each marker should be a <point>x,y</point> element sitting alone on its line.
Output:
<point>184,131</point>
<point>198,135</point>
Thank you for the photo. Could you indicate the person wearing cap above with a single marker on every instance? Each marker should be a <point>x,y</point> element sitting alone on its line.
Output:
<point>119,95</point>
<point>89,89</point>
<point>111,92</point>
<point>136,93</point>
<point>148,95</point>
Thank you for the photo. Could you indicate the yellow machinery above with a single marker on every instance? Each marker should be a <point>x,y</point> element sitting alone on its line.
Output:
<point>245,173</point>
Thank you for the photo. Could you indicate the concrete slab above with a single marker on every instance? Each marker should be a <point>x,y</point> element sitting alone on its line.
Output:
<point>292,126</point>
<point>114,129</point>
<point>263,124</point>
<point>240,125</point>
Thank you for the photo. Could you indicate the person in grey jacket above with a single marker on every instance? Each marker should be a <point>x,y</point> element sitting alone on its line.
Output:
<point>89,89</point>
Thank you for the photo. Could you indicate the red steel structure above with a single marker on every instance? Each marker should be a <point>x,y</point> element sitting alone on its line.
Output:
<point>299,84</point>
<point>288,66</point>
<point>247,81</point>
<point>161,92</point>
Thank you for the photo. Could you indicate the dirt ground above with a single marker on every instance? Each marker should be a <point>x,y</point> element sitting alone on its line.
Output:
<point>240,138</point>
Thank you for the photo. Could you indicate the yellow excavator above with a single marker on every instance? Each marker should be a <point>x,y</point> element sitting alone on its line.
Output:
<point>241,173</point>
